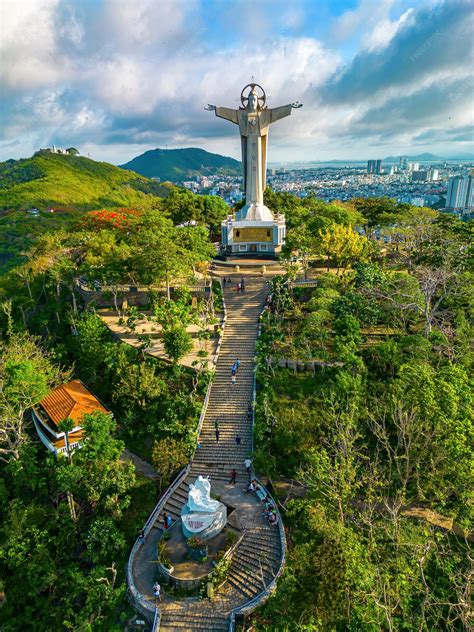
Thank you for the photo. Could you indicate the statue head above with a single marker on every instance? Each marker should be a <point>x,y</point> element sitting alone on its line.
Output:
<point>253,100</point>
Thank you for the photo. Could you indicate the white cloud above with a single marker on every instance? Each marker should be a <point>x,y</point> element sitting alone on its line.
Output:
<point>360,19</point>
<point>384,31</point>
<point>28,51</point>
<point>122,74</point>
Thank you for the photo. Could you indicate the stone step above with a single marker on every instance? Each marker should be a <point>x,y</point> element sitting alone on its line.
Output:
<point>248,577</point>
<point>190,622</point>
<point>255,569</point>
<point>250,550</point>
<point>241,587</point>
<point>267,554</point>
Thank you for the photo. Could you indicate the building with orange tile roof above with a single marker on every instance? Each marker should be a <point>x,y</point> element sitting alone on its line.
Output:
<point>67,401</point>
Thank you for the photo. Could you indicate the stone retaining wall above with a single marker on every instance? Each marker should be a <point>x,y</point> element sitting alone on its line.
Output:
<point>130,295</point>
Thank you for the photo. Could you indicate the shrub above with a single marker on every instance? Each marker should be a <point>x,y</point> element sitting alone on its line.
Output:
<point>169,455</point>
<point>177,342</point>
<point>103,540</point>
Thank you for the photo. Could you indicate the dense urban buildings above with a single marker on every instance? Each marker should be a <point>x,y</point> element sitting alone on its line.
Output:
<point>421,185</point>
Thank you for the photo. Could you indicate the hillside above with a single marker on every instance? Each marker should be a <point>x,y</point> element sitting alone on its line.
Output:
<point>418,158</point>
<point>71,181</point>
<point>181,164</point>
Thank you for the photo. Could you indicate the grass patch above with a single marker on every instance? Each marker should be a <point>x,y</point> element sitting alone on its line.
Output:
<point>144,496</point>
<point>289,385</point>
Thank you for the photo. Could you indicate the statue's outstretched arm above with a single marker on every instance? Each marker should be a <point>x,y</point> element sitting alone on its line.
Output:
<point>226,113</point>
<point>278,113</point>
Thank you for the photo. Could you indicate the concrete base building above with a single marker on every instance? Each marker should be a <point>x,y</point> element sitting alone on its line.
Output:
<point>243,235</point>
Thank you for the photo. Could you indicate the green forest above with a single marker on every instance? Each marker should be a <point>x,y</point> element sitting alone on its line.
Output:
<point>363,402</point>
<point>72,182</point>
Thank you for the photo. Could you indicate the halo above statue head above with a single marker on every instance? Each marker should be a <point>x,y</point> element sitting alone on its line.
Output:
<point>253,87</point>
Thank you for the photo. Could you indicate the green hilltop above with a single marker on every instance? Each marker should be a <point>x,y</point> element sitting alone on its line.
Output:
<point>71,181</point>
<point>181,164</point>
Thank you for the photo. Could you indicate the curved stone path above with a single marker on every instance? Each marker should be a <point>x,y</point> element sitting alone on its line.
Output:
<point>259,557</point>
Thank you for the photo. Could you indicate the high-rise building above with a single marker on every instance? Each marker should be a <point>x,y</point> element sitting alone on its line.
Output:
<point>374,166</point>
<point>460,195</point>
<point>433,175</point>
<point>403,163</point>
<point>413,166</point>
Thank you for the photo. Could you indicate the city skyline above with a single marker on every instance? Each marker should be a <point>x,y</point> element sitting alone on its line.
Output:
<point>116,78</point>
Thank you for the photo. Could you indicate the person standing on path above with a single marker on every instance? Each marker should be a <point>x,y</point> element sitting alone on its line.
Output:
<point>233,379</point>
<point>248,466</point>
<point>157,591</point>
<point>233,477</point>
<point>218,434</point>
<point>238,439</point>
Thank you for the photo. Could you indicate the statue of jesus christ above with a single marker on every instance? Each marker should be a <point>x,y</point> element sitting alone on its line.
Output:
<point>253,120</point>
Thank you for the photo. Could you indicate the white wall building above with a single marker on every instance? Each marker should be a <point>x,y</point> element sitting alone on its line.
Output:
<point>460,195</point>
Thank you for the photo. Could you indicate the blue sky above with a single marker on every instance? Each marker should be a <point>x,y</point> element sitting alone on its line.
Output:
<point>117,77</point>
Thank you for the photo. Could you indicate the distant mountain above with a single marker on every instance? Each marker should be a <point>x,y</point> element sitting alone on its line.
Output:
<point>182,164</point>
<point>71,181</point>
<point>418,158</point>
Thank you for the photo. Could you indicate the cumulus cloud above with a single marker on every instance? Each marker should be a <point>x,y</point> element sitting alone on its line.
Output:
<point>28,51</point>
<point>430,41</point>
<point>119,75</point>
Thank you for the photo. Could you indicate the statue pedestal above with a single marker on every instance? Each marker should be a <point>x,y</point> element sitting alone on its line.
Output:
<point>246,236</point>
<point>202,515</point>
<point>205,525</point>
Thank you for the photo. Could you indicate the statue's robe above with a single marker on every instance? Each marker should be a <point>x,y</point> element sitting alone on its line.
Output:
<point>253,128</point>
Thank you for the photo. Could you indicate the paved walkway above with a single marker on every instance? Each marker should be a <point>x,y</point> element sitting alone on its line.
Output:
<point>141,466</point>
<point>259,556</point>
<point>154,336</point>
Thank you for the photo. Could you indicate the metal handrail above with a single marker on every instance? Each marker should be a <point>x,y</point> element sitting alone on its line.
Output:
<point>156,620</point>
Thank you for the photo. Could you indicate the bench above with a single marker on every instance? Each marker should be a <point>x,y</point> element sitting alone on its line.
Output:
<point>262,494</point>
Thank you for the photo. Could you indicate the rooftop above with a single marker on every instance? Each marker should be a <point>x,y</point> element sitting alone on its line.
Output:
<point>72,400</point>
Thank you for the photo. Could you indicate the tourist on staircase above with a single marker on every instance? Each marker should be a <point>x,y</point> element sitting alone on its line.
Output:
<point>248,466</point>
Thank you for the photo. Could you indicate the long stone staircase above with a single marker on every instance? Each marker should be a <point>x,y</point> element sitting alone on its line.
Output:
<point>259,557</point>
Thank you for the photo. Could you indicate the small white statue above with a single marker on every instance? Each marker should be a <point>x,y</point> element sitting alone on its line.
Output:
<point>199,497</point>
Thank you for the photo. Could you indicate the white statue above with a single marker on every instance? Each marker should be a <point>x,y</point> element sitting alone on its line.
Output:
<point>199,497</point>
<point>254,120</point>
